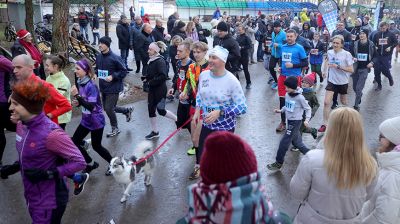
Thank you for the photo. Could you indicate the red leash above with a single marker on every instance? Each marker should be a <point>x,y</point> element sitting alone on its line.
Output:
<point>163,143</point>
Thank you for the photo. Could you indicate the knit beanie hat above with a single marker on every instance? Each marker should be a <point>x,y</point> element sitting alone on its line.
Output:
<point>366,31</point>
<point>277,23</point>
<point>309,79</point>
<point>390,129</point>
<point>222,26</point>
<point>226,157</point>
<point>291,82</point>
<point>31,95</point>
<point>180,25</point>
<point>105,40</point>
<point>220,52</point>
<point>22,34</point>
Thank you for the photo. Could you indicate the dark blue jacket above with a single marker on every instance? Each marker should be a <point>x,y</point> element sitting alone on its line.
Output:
<point>317,59</point>
<point>115,67</point>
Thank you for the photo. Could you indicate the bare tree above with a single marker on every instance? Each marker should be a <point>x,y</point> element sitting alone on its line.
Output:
<point>106,18</point>
<point>29,17</point>
<point>60,26</point>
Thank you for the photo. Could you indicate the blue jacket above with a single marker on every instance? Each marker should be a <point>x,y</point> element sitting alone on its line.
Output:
<point>279,39</point>
<point>110,64</point>
<point>316,59</point>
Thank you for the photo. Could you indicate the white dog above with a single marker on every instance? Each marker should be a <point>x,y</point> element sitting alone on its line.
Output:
<point>125,172</point>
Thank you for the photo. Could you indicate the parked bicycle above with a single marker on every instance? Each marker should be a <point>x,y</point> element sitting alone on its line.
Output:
<point>9,32</point>
<point>42,32</point>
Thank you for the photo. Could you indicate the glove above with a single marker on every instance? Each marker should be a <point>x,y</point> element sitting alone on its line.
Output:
<point>37,175</point>
<point>8,170</point>
<point>143,78</point>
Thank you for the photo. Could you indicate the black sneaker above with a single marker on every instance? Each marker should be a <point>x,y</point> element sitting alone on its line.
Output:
<point>128,115</point>
<point>274,166</point>
<point>357,108</point>
<point>86,144</point>
<point>90,168</point>
<point>379,88</point>
<point>314,133</point>
<point>137,71</point>
<point>129,69</point>
<point>196,174</point>
<point>114,132</point>
<point>152,135</point>
<point>248,86</point>
<point>79,187</point>
<point>170,98</point>
<point>108,172</point>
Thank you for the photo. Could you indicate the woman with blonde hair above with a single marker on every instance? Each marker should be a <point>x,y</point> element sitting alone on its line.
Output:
<point>191,31</point>
<point>334,183</point>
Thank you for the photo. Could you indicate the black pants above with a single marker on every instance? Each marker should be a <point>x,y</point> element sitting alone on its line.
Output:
<point>156,100</point>
<point>110,101</point>
<point>5,123</point>
<point>281,104</point>
<point>183,114</point>
<point>244,61</point>
<point>96,135</point>
<point>272,64</point>
<point>63,126</point>
<point>205,132</point>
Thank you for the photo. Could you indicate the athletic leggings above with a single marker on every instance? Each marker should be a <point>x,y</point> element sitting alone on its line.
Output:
<point>272,64</point>
<point>96,135</point>
<point>156,100</point>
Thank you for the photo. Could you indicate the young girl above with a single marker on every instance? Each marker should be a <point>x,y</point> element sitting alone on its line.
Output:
<point>54,65</point>
<point>383,207</point>
<point>189,93</point>
<point>88,98</point>
<point>191,31</point>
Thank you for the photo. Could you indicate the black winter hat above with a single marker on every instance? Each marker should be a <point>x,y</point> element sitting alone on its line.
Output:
<point>180,25</point>
<point>105,40</point>
<point>366,31</point>
<point>277,23</point>
<point>222,26</point>
<point>291,82</point>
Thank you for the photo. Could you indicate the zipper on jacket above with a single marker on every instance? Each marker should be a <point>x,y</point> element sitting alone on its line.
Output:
<point>22,151</point>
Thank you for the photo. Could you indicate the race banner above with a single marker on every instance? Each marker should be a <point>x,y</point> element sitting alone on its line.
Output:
<point>376,15</point>
<point>329,11</point>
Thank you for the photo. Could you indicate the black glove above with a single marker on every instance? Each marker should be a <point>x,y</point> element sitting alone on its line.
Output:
<point>143,78</point>
<point>37,175</point>
<point>8,170</point>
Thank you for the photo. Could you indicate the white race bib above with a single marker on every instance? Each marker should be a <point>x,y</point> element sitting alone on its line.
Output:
<point>383,41</point>
<point>314,51</point>
<point>362,57</point>
<point>289,104</point>
<point>85,111</point>
<point>102,74</point>
<point>286,57</point>
<point>268,42</point>
<point>18,138</point>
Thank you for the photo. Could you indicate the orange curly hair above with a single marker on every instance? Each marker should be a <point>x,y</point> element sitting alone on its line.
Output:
<point>31,90</point>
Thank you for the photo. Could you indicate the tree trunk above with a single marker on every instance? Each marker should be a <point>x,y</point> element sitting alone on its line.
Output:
<point>106,18</point>
<point>29,18</point>
<point>60,26</point>
<point>348,7</point>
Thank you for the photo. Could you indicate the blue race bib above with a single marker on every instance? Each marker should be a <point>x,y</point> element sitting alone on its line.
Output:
<point>102,74</point>
<point>289,104</point>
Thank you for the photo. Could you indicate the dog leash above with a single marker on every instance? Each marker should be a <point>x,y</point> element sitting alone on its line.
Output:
<point>163,143</point>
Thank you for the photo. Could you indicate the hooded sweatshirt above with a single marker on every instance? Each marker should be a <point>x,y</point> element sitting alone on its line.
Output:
<point>296,105</point>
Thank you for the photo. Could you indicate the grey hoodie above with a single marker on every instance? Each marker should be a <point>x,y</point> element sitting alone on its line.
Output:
<point>295,106</point>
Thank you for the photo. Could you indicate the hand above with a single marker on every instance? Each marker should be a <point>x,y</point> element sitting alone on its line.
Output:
<point>277,111</point>
<point>170,92</point>
<point>276,45</point>
<point>74,91</point>
<point>8,170</point>
<point>289,65</point>
<point>355,59</point>
<point>36,175</point>
<point>143,78</point>
<point>201,32</point>
<point>370,65</point>
<point>387,49</point>
<point>196,118</point>
<point>306,124</point>
<point>183,96</point>
<point>49,115</point>
<point>75,103</point>
<point>109,78</point>
<point>212,117</point>
<point>324,75</point>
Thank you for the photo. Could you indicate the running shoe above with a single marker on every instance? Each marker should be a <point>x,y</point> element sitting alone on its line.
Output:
<point>86,144</point>
<point>129,69</point>
<point>281,127</point>
<point>79,187</point>
<point>274,166</point>
<point>314,133</point>
<point>128,114</point>
<point>114,132</point>
<point>191,151</point>
<point>391,83</point>
<point>274,86</point>
<point>152,135</point>
<point>196,174</point>
<point>90,168</point>
<point>322,128</point>
<point>170,98</point>
<point>357,108</point>
<point>248,86</point>
<point>270,80</point>
<point>379,88</point>
<point>294,149</point>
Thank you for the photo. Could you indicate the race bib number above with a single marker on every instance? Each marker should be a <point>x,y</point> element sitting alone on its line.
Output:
<point>102,74</point>
<point>383,41</point>
<point>208,110</point>
<point>268,43</point>
<point>85,111</point>
<point>289,104</point>
<point>286,57</point>
<point>314,51</point>
<point>18,138</point>
<point>334,61</point>
<point>362,57</point>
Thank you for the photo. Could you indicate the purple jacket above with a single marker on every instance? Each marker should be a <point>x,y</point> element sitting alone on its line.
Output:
<point>41,144</point>
<point>6,70</point>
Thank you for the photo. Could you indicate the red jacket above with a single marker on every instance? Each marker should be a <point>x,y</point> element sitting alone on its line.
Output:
<point>319,20</point>
<point>57,104</point>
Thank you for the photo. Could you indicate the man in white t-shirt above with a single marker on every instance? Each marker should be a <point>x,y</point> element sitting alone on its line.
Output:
<point>339,67</point>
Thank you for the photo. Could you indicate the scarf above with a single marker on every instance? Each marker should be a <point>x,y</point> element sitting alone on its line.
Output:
<point>33,51</point>
<point>307,90</point>
<point>153,58</point>
<point>221,203</point>
<point>83,81</point>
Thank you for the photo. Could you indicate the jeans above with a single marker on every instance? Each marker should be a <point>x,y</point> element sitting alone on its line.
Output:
<point>260,51</point>
<point>382,65</point>
<point>244,61</point>
<point>96,135</point>
<point>85,31</point>
<point>359,78</point>
<point>267,57</point>
<point>110,101</point>
<point>124,56</point>
<point>292,135</point>
<point>96,36</point>
<point>251,52</point>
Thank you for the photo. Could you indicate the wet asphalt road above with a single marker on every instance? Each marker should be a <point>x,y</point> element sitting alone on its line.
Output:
<point>165,201</point>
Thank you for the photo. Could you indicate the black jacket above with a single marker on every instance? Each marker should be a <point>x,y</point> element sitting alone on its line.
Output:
<point>391,42</point>
<point>202,37</point>
<point>83,19</point>
<point>17,49</point>
<point>141,43</point>
<point>232,46</point>
<point>245,45</point>
<point>96,22</point>
<point>115,67</point>
<point>307,33</point>
<point>175,31</point>
<point>156,73</point>
<point>170,23</point>
<point>158,33</point>
<point>123,34</point>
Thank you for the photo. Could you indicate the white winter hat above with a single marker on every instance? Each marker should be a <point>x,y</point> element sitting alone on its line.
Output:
<point>220,52</point>
<point>390,129</point>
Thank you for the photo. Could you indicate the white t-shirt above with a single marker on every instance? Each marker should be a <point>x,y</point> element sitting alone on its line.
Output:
<point>343,59</point>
